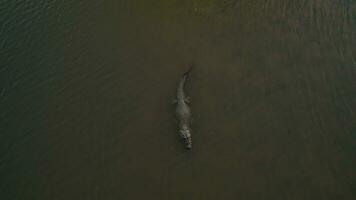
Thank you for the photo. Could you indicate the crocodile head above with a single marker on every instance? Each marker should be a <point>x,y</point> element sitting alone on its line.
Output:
<point>186,136</point>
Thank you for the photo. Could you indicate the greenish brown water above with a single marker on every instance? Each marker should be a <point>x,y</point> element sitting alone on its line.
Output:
<point>85,92</point>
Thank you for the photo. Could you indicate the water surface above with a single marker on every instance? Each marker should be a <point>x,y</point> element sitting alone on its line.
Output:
<point>86,89</point>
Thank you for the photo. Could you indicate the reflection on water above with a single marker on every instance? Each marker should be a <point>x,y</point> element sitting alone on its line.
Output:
<point>86,89</point>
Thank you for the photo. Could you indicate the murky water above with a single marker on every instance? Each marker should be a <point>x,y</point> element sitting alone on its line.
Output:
<point>86,86</point>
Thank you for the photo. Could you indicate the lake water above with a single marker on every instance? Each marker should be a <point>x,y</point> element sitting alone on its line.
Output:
<point>86,90</point>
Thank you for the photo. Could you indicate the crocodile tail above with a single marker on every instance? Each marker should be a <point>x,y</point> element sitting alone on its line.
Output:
<point>180,91</point>
<point>188,71</point>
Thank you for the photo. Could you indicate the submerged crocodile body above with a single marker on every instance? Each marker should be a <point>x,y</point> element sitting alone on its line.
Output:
<point>182,112</point>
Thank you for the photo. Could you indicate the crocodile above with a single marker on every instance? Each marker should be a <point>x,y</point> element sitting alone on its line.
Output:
<point>183,113</point>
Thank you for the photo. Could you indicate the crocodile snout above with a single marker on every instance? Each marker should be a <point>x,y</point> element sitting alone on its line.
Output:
<point>188,142</point>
